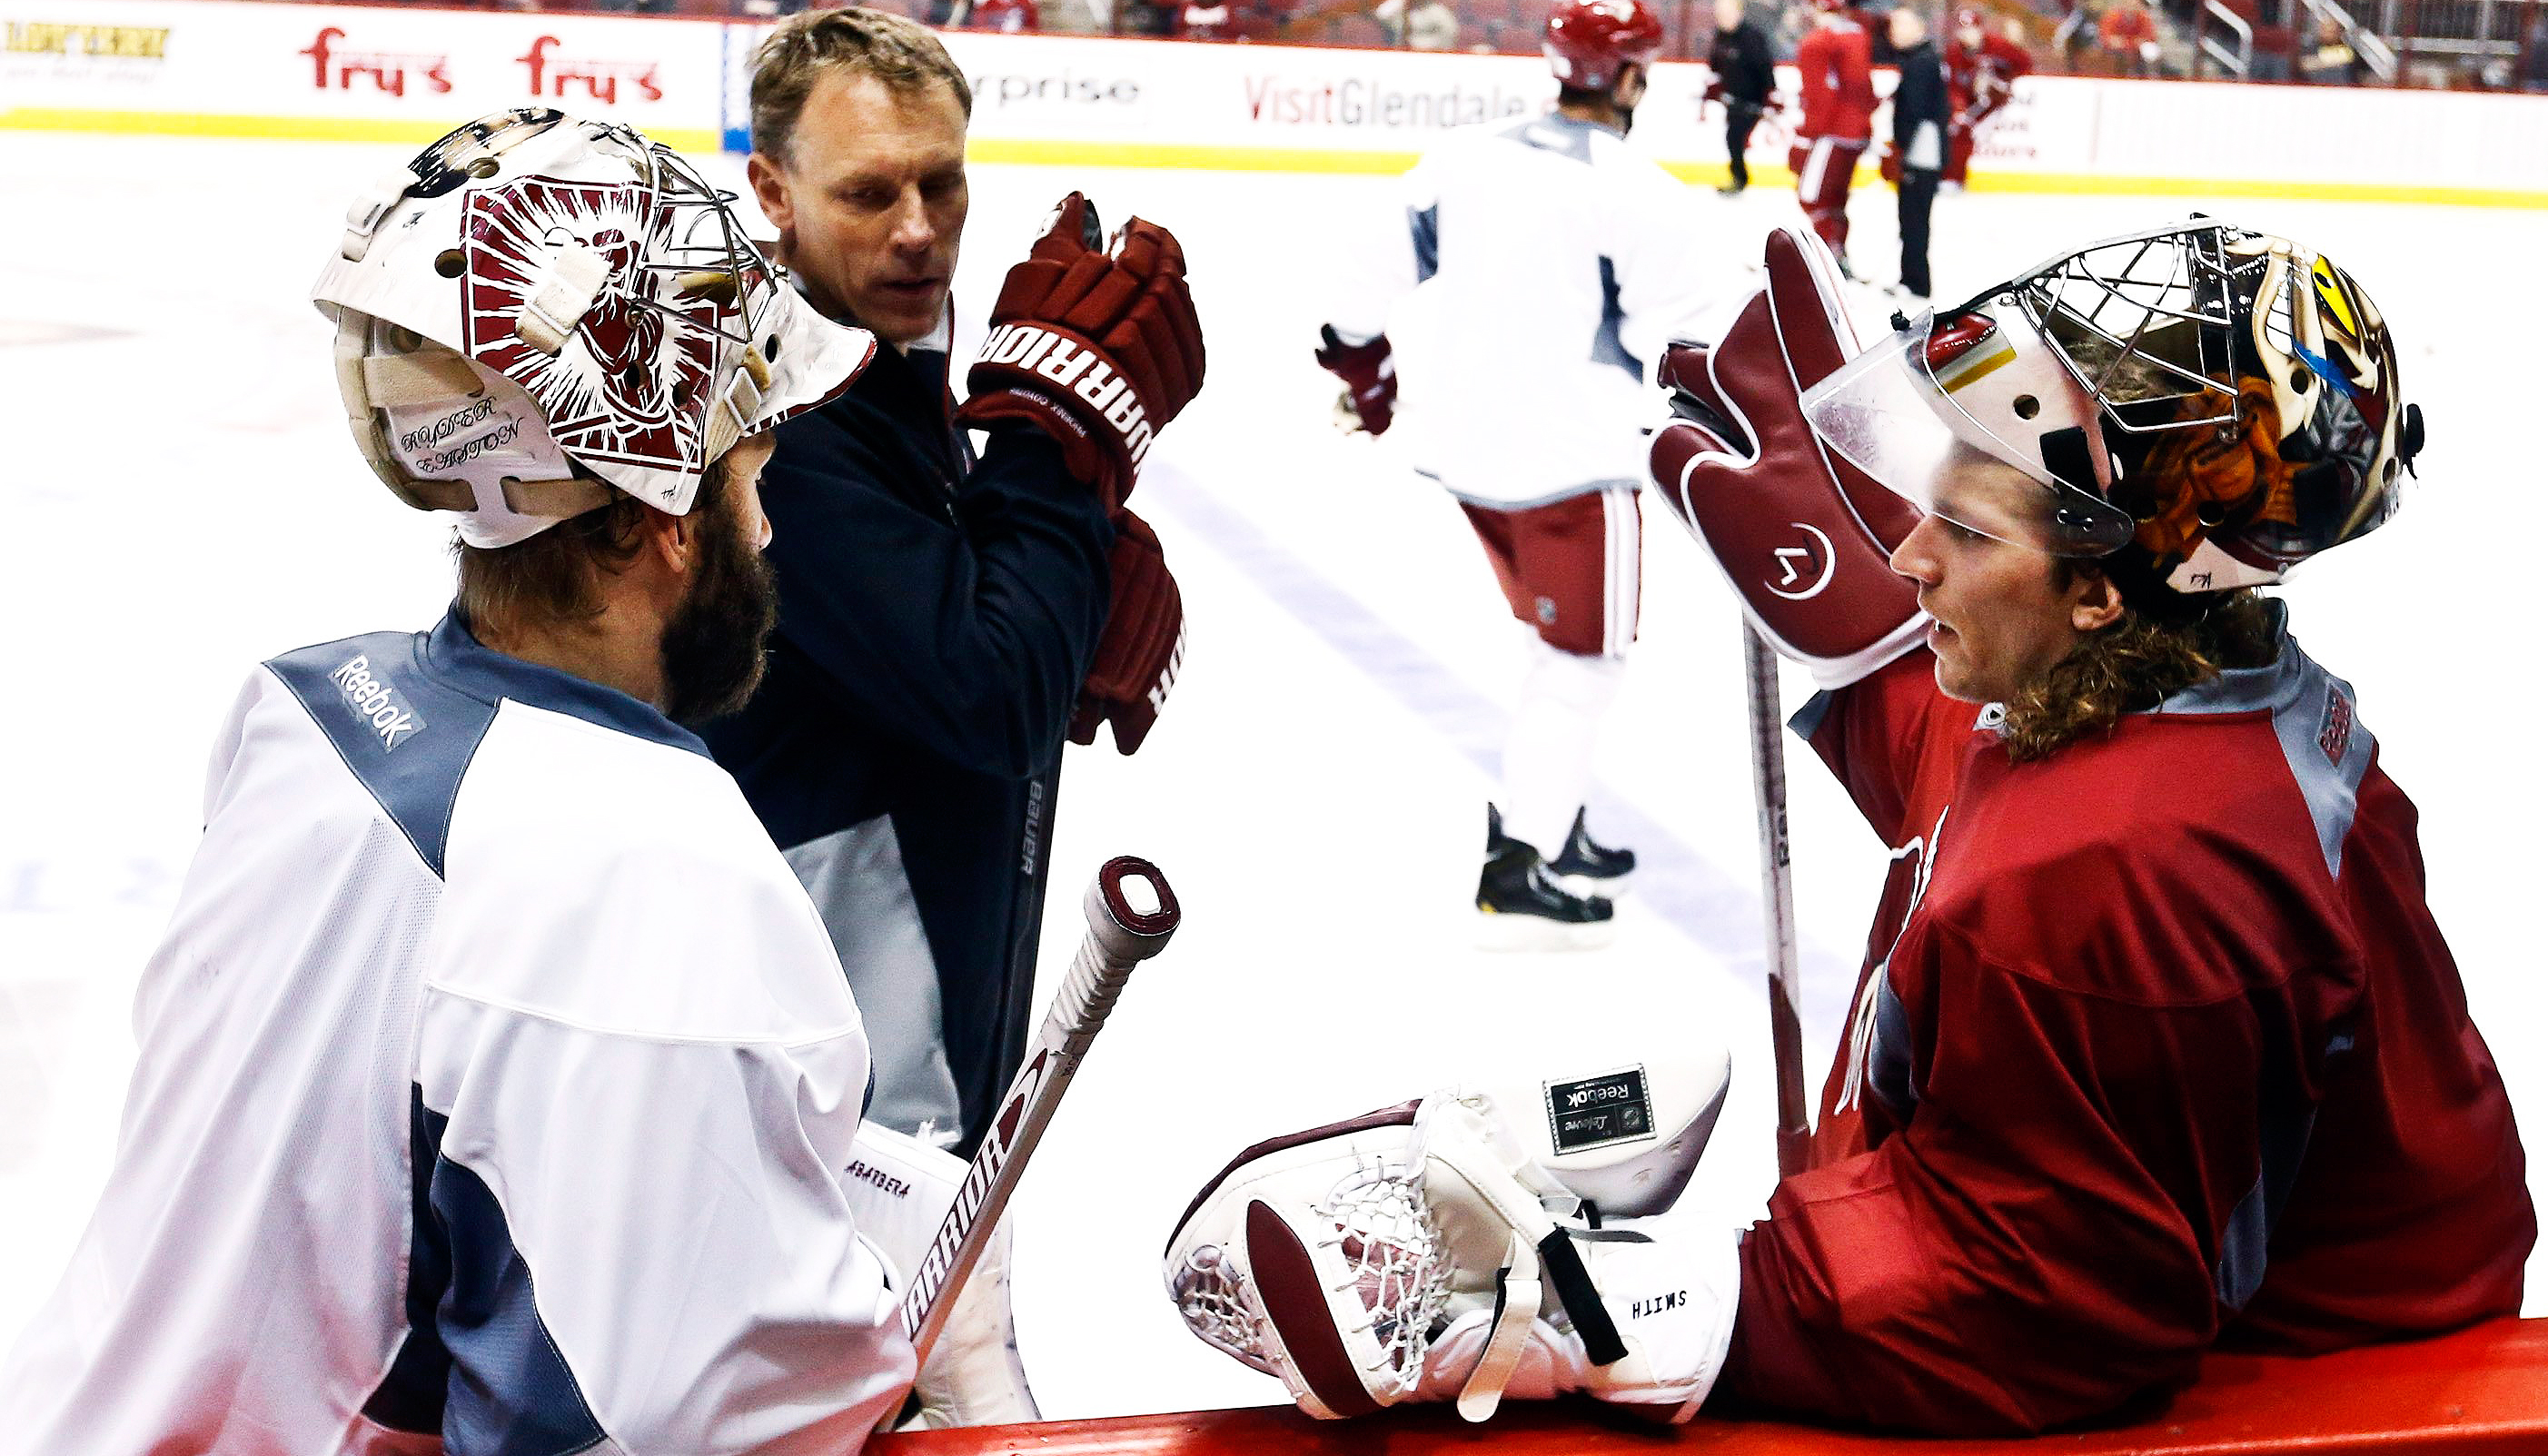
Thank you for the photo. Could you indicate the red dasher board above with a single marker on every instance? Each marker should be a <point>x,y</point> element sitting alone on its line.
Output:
<point>2483,1390</point>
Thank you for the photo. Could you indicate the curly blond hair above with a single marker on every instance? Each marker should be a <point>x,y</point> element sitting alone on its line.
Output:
<point>2132,665</point>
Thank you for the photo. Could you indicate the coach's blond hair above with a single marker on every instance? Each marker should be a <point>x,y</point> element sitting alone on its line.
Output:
<point>903,53</point>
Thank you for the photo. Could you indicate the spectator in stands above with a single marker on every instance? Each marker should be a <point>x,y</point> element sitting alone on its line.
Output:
<point>2534,53</point>
<point>2078,28</point>
<point>2330,59</point>
<point>2129,35</point>
<point>1434,26</point>
<point>1013,16</point>
<point>2275,41</point>
<point>1740,81</point>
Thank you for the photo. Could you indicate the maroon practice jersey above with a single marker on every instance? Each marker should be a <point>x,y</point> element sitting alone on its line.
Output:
<point>2156,1045</point>
<point>1836,87</point>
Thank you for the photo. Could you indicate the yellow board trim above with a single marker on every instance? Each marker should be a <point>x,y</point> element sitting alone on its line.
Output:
<point>279,128</point>
<point>1196,156</point>
<point>1226,159</point>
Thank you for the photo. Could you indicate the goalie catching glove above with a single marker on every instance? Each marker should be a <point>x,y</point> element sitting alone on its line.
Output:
<point>1097,348</point>
<point>1804,535</point>
<point>1471,1246</point>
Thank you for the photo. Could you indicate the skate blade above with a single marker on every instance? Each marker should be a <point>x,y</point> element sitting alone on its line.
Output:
<point>1538,933</point>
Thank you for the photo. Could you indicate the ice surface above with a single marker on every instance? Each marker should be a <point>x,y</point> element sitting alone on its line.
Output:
<point>183,502</point>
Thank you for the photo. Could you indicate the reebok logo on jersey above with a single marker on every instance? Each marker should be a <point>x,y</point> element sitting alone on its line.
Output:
<point>1648,1308</point>
<point>376,702</point>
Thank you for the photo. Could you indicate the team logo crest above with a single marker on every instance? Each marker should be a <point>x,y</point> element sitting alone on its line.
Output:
<point>630,385</point>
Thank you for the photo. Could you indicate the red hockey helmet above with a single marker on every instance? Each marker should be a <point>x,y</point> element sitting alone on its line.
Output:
<point>1587,41</point>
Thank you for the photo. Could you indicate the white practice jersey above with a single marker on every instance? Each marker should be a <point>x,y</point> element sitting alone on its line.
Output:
<point>496,1078</point>
<point>1528,288</point>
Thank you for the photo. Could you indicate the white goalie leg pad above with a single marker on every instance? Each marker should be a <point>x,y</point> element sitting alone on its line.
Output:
<point>1432,1252</point>
<point>899,1190</point>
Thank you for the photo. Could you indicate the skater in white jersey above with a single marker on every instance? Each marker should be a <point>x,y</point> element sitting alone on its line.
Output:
<point>498,1090</point>
<point>1512,314</point>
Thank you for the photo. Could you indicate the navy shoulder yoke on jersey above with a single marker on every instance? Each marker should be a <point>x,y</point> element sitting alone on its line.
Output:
<point>406,711</point>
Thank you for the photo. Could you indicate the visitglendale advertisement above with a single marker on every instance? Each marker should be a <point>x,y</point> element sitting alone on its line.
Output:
<point>245,67</point>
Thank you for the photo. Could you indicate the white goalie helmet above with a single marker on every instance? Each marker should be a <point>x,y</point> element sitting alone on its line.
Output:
<point>2221,403</point>
<point>539,310</point>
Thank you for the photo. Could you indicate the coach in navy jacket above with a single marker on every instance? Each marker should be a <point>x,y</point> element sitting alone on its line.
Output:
<point>938,614</point>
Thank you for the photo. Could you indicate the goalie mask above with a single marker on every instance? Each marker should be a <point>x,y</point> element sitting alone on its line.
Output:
<point>539,311</point>
<point>2219,403</point>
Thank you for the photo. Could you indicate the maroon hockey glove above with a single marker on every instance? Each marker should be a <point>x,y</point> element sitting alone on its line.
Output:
<point>1800,533</point>
<point>1143,645</point>
<point>1099,349</point>
<point>1369,376</point>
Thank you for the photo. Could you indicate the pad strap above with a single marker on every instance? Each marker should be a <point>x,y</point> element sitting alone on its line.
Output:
<point>1575,1291</point>
<point>1516,1307</point>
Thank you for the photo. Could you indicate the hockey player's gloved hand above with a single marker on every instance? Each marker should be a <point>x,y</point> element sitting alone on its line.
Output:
<point>1098,347</point>
<point>1370,396</point>
<point>899,1194</point>
<point>1888,165</point>
<point>1441,1251</point>
<point>1143,645</point>
<point>1801,533</point>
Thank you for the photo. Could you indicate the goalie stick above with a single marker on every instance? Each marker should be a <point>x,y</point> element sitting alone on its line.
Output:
<point>1777,901</point>
<point>1119,936</point>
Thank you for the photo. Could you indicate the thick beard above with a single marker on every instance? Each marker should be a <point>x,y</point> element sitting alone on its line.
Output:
<point>713,645</point>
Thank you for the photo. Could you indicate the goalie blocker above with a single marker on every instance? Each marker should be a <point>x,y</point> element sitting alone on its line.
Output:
<point>900,1189</point>
<point>1804,535</point>
<point>1504,1239</point>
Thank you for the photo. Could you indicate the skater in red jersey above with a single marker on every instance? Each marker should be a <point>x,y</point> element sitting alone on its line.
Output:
<point>1838,98</point>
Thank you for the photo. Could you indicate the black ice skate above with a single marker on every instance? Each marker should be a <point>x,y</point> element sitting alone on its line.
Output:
<point>1583,867</point>
<point>1521,906</point>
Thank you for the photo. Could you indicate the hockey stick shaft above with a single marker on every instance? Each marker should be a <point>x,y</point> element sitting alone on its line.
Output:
<point>1778,900</point>
<point>1120,934</point>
